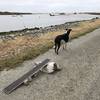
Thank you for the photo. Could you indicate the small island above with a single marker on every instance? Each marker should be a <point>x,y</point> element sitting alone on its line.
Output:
<point>91,13</point>
<point>13,13</point>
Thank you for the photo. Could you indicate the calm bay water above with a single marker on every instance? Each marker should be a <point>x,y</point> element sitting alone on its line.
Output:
<point>11,22</point>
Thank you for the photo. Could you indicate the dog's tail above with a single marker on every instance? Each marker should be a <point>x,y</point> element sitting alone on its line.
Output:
<point>54,47</point>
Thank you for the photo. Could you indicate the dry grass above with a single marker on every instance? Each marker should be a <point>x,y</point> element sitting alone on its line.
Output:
<point>14,52</point>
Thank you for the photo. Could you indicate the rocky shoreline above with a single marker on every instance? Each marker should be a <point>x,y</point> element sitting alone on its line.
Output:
<point>36,31</point>
<point>39,30</point>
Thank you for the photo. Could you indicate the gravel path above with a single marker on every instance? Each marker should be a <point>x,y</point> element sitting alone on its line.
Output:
<point>79,78</point>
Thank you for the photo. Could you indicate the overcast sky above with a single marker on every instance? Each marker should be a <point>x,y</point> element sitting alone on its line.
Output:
<point>50,5</point>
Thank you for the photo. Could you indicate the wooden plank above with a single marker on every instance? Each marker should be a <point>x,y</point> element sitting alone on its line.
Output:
<point>19,81</point>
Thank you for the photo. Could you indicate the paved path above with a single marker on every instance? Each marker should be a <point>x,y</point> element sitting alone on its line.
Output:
<point>79,78</point>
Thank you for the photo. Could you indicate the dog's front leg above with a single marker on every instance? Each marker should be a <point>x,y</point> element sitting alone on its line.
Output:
<point>65,45</point>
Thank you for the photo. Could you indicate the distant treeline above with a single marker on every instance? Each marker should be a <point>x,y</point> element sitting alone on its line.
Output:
<point>13,13</point>
<point>92,13</point>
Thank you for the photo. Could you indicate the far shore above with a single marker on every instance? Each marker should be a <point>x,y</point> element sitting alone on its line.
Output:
<point>21,45</point>
<point>59,13</point>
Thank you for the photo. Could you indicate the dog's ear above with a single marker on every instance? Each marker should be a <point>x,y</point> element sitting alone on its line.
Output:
<point>66,29</point>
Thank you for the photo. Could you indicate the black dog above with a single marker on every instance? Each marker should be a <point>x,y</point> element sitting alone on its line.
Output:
<point>59,38</point>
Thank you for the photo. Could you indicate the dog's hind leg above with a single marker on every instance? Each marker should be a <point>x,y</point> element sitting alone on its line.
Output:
<point>58,48</point>
<point>55,48</point>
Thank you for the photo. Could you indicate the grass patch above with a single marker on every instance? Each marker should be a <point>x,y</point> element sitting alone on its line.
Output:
<point>28,53</point>
<point>83,33</point>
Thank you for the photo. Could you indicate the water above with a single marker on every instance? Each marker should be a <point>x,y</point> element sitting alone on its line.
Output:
<point>11,22</point>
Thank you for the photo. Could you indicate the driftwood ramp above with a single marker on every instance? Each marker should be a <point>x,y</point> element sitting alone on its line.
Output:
<point>10,88</point>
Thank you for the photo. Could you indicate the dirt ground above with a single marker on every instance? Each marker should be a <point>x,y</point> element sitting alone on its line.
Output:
<point>79,78</point>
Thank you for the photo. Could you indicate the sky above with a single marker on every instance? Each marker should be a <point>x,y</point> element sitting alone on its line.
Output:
<point>45,6</point>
